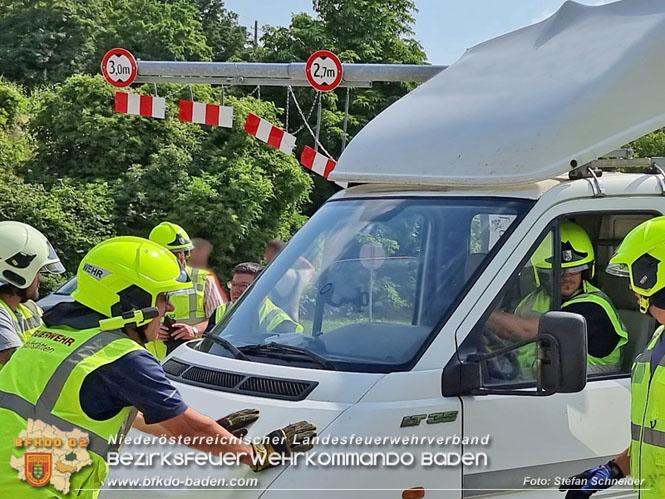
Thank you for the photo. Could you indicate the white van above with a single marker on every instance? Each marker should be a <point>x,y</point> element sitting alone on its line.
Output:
<point>460,182</point>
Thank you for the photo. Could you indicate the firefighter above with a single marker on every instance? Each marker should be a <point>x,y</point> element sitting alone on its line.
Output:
<point>89,371</point>
<point>641,258</point>
<point>25,254</point>
<point>606,332</point>
<point>193,310</point>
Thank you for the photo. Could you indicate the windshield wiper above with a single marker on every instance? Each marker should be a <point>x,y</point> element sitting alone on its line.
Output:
<point>226,344</point>
<point>279,348</point>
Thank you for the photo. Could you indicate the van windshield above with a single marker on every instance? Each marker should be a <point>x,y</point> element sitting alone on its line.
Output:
<point>366,283</point>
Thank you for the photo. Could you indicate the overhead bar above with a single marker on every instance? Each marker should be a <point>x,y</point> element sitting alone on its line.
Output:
<point>276,74</point>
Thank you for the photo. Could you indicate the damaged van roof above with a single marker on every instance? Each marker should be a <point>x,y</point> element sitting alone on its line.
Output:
<point>525,106</point>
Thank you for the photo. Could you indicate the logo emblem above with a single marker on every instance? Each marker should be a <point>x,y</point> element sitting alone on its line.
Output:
<point>38,468</point>
<point>567,256</point>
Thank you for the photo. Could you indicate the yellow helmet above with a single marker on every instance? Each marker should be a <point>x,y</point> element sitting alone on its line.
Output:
<point>172,236</point>
<point>576,250</point>
<point>641,257</point>
<point>125,274</point>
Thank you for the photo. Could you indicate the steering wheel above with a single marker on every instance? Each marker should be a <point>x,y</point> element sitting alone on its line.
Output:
<point>504,367</point>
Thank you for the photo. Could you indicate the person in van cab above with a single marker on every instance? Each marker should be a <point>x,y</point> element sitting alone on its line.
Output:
<point>641,258</point>
<point>605,330</point>
<point>271,317</point>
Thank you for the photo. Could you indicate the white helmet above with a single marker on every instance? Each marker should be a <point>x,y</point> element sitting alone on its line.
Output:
<point>24,252</point>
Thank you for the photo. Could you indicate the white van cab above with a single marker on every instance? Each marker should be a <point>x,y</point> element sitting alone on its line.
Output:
<point>455,188</point>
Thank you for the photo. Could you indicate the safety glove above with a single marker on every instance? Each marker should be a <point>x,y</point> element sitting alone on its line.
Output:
<point>583,485</point>
<point>237,422</point>
<point>296,437</point>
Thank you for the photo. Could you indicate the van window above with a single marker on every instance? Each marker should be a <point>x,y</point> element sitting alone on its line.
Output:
<point>616,331</point>
<point>514,318</point>
<point>368,281</point>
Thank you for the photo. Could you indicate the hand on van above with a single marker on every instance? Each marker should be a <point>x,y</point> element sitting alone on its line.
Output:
<point>583,485</point>
<point>296,437</point>
<point>237,422</point>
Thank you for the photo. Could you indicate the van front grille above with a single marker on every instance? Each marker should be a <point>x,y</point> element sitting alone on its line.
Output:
<point>258,386</point>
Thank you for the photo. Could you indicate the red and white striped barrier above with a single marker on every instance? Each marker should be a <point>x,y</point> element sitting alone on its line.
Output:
<point>319,163</point>
<point>206,114</point>
<point>140,105</point>
<point>270,134</point>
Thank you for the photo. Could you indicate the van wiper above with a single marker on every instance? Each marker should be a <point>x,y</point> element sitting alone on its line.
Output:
<point>288,351</point>
<point>226,344</point>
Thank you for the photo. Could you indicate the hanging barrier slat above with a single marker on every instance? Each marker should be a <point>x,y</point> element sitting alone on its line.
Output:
<point>206,114</point>
<point>270,134</point>
<point>319,163</point>
<point>140,105</point>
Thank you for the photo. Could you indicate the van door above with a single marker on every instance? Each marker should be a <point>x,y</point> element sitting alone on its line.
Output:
<point>536,441</point>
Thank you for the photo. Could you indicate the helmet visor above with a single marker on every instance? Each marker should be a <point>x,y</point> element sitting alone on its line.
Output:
<point>618,269</point>
<point>53,268</point>
<point>53,265</point>
<point>575,270</point>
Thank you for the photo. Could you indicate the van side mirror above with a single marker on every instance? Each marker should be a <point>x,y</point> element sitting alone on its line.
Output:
<point>562,339</point>
<point>560,350</point>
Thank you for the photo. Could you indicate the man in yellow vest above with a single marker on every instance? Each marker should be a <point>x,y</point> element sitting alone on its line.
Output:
<point>605,330</point>
<point>89,371</point>
<point>24,254</point>
<point>641,258</point>
<point>271,317</point>
<point>193,310</point>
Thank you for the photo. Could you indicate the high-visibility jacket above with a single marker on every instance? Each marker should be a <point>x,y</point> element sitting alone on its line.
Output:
<point>270,316</point>
<point>539,302</point>
<point>58,360</point>
<point>647,423</point>
<point>189,308</point>
<point>26,319</point>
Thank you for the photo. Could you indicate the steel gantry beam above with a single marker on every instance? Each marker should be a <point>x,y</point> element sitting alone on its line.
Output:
<point>276,74</point>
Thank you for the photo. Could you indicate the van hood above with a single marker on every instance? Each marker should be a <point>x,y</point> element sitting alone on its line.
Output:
<point>524,106</point>
<point>327,396</point>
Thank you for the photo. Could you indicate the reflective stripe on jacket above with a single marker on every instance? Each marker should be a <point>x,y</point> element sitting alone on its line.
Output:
<point>26,320</point>
<point>537,303</point>
<point>59,359</point>
<point>270,316</point>
<point>647,422</point>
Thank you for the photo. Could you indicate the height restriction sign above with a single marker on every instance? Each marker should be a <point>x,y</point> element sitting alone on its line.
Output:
<point>119,67</point>
<point>324,70</point>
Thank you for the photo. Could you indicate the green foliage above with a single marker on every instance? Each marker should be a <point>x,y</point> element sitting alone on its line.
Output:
<point>80,172</point>
<point>79,135</point>
<point>220,26</point>
<point>73,217</point>
<point>44,41</point>
<point>47,41</point>
<point>154,30</point>
<point>651,145</point>
<point>14,138</point>
<point>367,31</point>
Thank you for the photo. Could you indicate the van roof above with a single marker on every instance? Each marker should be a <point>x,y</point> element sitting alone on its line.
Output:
<point>558,189</point>
<point>521,107</point>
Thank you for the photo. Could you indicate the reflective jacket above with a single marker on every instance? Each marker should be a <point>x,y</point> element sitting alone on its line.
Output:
<point>647,423</point>
<point>270,316</point>
<point>26,319</point>
<point>59,360</point>
<point>539,302</point>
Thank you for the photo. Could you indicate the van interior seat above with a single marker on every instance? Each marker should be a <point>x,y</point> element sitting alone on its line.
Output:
<point>613,229</point>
